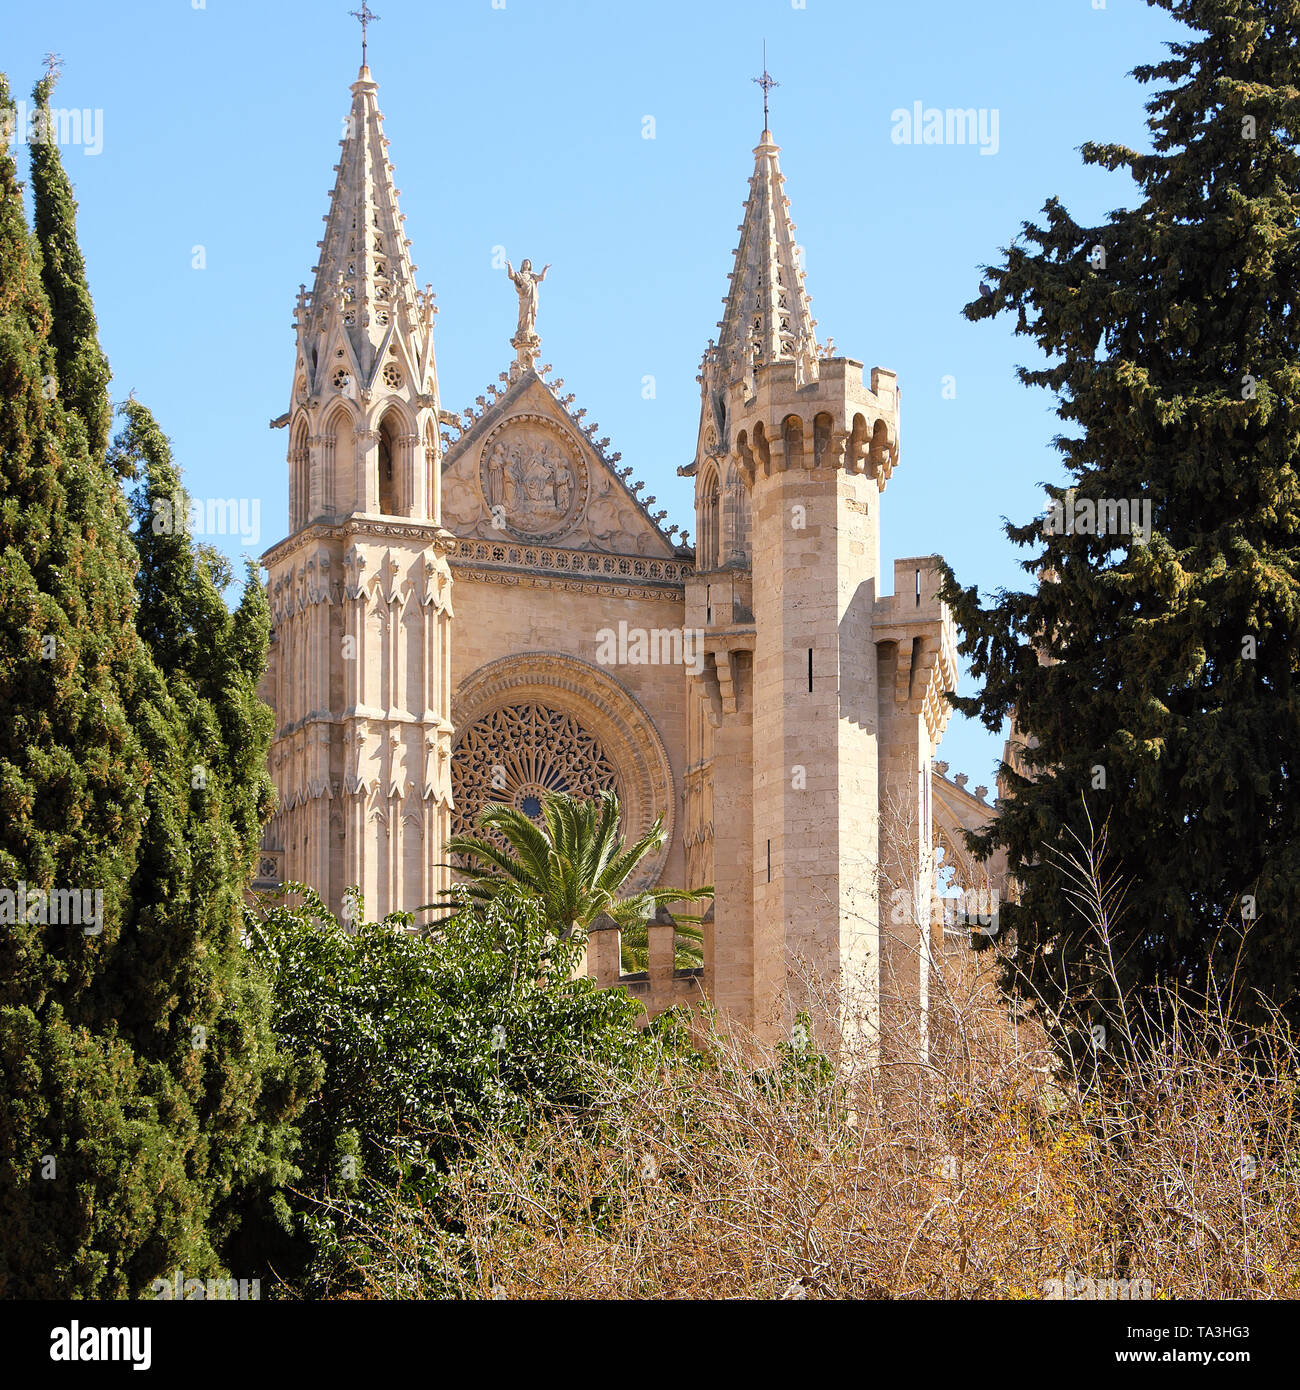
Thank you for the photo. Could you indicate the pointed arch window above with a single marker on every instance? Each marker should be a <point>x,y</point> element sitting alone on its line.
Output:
<point>388,479</point>
<point>708,522</point>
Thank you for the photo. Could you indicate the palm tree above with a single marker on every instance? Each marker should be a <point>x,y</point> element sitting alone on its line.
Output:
<point>575,863</point>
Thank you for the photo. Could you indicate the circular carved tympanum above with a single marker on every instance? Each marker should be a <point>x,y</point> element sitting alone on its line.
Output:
<point>533,479</point>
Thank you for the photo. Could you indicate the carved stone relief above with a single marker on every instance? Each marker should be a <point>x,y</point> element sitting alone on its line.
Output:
<point>532,478</point>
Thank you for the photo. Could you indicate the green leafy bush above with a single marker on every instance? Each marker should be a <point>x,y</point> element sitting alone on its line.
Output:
<point>421,1044</point>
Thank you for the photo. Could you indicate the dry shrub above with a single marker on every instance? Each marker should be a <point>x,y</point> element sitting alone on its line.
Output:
<point>941,1154</point>
<point>982,1172</point>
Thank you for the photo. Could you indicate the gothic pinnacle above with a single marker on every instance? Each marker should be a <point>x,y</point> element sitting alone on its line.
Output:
<point>365,285</point>
<point>768,316</point>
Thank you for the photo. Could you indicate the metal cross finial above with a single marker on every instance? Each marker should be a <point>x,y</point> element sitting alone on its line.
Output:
<point>767,82</point>
<point>365,14</point>
<point>52,65</point>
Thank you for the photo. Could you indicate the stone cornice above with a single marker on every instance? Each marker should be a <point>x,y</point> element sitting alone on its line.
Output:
<point>526,580</point>
<point>433,537</point>
<point>547,567</point>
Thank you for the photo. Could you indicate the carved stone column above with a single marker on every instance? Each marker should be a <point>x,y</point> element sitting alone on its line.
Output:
<point>321,454</point>
<point>410,497</point>
<point>299,487</point>
<point>354,663</point>
<point>433,475</point>
<point>367,470</point>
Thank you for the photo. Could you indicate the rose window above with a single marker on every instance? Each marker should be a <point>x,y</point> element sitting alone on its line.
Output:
<point>341,379</point>
<point>392,375</point>
<point>518,753</point>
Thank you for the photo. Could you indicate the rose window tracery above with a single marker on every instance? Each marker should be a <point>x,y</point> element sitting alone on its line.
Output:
<point>517,753</point>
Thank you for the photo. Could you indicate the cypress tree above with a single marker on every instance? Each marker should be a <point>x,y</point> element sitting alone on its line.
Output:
<point>1153,677</point>
<point>145,1098</point>
<point>85,1166</point>
<point>82,368</point>
<point>206,1018</point>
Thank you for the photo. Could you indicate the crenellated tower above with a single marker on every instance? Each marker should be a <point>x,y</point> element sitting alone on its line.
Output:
<point>799,749</point>
<point>360,590</point>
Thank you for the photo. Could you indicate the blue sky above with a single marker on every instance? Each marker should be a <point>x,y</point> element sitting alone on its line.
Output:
<point>520,124</point>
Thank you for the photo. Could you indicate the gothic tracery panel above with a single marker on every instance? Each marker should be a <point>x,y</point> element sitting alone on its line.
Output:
<point>516,753</point>
<point>544,719</point>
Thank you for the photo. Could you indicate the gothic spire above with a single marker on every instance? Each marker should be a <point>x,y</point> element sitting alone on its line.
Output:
<point>365,292</point>
<point>768,316</point>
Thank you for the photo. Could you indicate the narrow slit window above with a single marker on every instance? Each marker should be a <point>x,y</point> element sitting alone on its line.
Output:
<point>810,651</point>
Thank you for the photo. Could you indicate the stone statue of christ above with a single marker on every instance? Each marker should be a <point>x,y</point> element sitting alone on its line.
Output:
<point>526,283</point>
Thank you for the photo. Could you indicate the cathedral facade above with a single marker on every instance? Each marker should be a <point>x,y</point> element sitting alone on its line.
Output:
<point>481,606</point>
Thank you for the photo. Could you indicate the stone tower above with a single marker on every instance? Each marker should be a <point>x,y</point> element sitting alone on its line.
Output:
<point>360,590</point>
<point>820,700</point>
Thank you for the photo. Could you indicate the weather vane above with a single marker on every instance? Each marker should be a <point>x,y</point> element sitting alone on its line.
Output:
<point>365,14</point>
<point>767,82</point>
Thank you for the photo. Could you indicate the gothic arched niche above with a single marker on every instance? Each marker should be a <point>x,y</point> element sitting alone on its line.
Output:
<point>955,863</point>
<point>338,486</point>
<point>954,811</point>
<point>738,517</point>
<point>299,475</point>
<point>546,722</point>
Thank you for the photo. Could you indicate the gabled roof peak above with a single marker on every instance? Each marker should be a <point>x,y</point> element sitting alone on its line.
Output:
<point>499,402</point>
